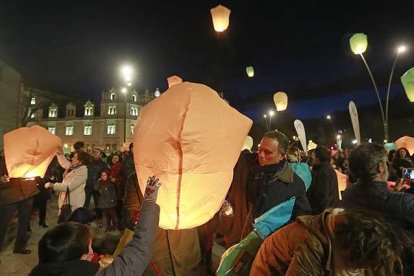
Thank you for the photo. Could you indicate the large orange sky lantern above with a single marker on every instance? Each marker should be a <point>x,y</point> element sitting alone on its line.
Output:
<point>191,139</point>
<point>29,151</point>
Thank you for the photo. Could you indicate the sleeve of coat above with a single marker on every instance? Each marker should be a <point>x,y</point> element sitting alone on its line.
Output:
<point>302,206</point>
<point>79,177</point>
<point>135,257</point>
<point>63,162</point>
<point>308,259</point>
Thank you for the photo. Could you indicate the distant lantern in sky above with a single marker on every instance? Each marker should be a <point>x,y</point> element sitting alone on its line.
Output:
<point>29,150</point>
<point>220,16</point>
<point>250,71</point>
<point>180,137</point>
<point>173,80</point>
<point>408,82</point>
<point>281,101</point>
<point>358,43</point>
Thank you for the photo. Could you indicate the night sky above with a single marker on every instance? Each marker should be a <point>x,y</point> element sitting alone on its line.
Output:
<point>300,47</point>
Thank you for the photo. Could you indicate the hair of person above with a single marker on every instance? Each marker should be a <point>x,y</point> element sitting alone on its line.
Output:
<point>65,242</point>
<point>280,137</point>
<point>323,153</point>
<point>391,155</point>
<point>372,242</point>
<point>78,145</point>
<point>131,146</point>
<point>82,215</point>
<point>402,148</point>
<point>84,157</point>
<point>364,161</point>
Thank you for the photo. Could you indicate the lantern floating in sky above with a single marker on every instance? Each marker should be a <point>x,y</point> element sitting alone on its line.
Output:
<point>220,16</point>
<point>173,80</point>
<point>281,101</point>
<point>180,137</point>
<point>358,43</point>
<point>407,81</point>
<point>29,150</point>
<point>250,71</point>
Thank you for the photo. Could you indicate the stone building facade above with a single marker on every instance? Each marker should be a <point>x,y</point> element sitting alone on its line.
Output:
<point>109,125</point>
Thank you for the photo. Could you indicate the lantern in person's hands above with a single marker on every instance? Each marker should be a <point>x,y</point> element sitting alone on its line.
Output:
<point>281,101</point>
<point>248,143</point>
<point>191,139</point>
<point>29,150</point>
<point>173,80</point>
<point>407,81</point>
<point>406,142</point>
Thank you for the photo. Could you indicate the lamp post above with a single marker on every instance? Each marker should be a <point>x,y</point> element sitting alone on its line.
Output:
<point>359,44</point>
<point>127,73</point>
<point>330,118</point>
<point>271,113</point>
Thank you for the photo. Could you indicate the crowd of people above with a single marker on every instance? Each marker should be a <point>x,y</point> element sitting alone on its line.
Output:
<point>365,229</point>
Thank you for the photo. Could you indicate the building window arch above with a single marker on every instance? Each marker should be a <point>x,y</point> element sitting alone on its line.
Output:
<point>113,96</point>
<point>52,111</point>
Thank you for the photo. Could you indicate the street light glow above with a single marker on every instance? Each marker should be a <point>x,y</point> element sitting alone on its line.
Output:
<point>123,90</point>
<point>328,117</point>
<point>127,71</point>
<point>271,113</point>
<point>402,49</point>
<point>265,116</point>
<point>355,141</point>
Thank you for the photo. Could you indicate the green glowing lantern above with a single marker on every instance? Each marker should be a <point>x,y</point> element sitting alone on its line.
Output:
<point>250,71</point>
<point>358,43</point>
<point>408,82</point>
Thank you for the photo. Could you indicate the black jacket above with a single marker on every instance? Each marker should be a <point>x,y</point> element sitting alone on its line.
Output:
<point>323,192</point>
<point>376,198</point>
<point>95,167</point>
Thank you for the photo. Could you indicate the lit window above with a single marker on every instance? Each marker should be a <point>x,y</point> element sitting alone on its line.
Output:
<point>33,101</point>
<point>112,96</point>
<point>89,111</point>
<point>69,130</point>
<point>134,98</point>
<point>53,111</point>
<point>134,111</point>
<point>52,129</point>
<point>32,115</point>
<point>87,130</point>
<point>112,110</point>
<point>111,128</point>
<point>132,129</point>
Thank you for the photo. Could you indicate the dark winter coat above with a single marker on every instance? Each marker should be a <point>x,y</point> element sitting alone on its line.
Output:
<point>132,261</point>
<point>323,192</point>
<point>273,185</point>
<point>376,198</point>
<point>95,167</point>
<point>107,194</point>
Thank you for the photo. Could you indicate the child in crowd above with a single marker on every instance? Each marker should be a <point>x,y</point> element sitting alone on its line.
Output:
<point>107,199</point>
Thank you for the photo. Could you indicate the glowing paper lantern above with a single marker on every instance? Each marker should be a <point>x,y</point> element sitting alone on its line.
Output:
<point>191,139</point>
<point>343,180</point>
<point>390,146</point>
<point>281,101</point>
<point>220,16</point>
<point>173,80</point>
<point>250,71</point>
<point>312,145</point>
<point>29,150</point>
<point>408,82</point>
<point>406,142</point>
<point>248,143</point>
<point>358,43</point>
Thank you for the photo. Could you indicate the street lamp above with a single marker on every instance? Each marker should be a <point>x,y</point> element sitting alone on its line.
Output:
<point>359,43</point>
<point>267,125</point>
<point>271,113</point>
<point>127,73</point>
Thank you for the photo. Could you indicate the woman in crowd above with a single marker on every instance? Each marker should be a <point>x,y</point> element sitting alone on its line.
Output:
<point>402,161</point>
<point>74,179</point>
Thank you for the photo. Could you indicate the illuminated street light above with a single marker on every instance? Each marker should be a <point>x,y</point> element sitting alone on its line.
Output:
<point>271,113</point>
<point>123,90</point>
<point>359,43</point>
<point>127,73</point>
<point>328,117</point>
<point>355,141</point>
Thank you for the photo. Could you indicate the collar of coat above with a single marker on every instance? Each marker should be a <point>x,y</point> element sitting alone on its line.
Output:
<point>282,171</point>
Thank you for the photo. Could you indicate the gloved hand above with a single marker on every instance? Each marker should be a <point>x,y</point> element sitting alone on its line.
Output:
<point>151,191</point>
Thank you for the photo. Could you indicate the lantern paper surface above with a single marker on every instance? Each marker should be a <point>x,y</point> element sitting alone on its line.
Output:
<point>390,146</point>
<point>407,81</point>
<point>358,43</point>
<point>353,112</point>
<point>281,101</point>
<point>312,145</point>
<point>29,150</point>
<point>300,129</point>
<point>173,80</point>
<point>342,182</point>
<point>191,139</point>
<point>250,71</point>
<point>406,142</point>
<point>248,143</point>
<point>221,18</point>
